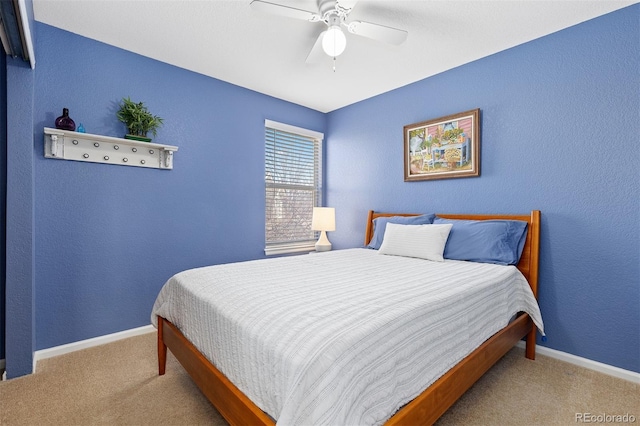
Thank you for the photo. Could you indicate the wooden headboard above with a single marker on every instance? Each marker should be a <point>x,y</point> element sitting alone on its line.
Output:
<point>529,260</point>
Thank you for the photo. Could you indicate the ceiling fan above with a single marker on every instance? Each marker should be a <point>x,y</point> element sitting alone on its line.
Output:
<point>333,13</point>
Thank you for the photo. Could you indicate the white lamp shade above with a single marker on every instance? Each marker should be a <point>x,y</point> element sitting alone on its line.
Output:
<point>334,41</point>
<point>324,219</point>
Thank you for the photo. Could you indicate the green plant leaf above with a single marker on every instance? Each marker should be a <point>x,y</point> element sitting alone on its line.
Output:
<point>137,118</point>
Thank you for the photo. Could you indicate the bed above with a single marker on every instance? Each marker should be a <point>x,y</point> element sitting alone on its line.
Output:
<point>326,370</point>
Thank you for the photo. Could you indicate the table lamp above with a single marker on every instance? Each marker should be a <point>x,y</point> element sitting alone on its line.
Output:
<point>324,219</point>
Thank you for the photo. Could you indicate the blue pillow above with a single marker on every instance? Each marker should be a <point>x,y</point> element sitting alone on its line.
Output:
<point>380,224</point>
<point>487,241</point>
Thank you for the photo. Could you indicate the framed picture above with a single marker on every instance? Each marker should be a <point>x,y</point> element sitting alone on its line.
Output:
<point>447,147</point>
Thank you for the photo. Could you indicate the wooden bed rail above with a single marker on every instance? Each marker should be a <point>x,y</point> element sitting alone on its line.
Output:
<point>444,392</point>
<point>230,402</point>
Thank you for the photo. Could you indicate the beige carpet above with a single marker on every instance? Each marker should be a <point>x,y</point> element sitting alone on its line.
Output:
<point>117,384</point>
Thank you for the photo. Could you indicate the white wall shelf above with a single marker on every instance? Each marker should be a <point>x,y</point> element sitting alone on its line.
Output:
<point>66,145</point>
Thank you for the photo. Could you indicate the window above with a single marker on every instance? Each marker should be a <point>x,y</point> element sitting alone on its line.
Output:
<point>293,186</point>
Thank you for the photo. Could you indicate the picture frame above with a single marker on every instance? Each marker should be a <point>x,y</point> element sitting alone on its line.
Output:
<point>443,148</point>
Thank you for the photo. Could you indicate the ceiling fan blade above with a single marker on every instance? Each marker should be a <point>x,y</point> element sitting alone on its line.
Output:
<point>290,12</point>
<point>347,4</point>
<point>378,32</point>
<point>316,53</point>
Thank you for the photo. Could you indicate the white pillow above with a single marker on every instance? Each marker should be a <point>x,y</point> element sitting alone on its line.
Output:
<point>422,241</point>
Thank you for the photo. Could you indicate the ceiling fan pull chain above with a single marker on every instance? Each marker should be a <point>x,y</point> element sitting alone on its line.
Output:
<point>334,64</point>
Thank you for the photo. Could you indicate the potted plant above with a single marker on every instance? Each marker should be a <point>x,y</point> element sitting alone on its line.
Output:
<point>138,119</point>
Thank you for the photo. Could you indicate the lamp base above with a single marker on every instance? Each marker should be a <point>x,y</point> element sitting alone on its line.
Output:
<point>323,247</point>
<point>323,243</point>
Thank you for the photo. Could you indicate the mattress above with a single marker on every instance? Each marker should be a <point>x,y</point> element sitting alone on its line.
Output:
<point>342,337</point>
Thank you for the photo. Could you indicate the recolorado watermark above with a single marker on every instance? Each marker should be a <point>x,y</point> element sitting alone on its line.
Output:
<point>605,418</point>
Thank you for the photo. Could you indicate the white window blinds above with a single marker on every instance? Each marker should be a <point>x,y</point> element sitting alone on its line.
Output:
<point>293,185</point>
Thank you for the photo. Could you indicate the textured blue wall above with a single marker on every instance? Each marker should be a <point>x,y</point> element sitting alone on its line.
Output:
<point>559,125</point>
<point>20,273</point>
<point>3,194</point>
<point>108,237</point>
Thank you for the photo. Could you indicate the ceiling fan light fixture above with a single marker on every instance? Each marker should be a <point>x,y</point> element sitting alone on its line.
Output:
<point>334,41</point>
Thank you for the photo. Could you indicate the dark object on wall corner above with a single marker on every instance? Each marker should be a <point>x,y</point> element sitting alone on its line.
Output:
<point>13,34</point>
<point>64,122</point>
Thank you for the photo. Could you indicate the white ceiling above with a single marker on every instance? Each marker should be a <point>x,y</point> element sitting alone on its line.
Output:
<point>227,40</point>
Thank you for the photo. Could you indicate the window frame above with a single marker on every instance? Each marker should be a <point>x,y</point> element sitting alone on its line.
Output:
<point>276,248</point>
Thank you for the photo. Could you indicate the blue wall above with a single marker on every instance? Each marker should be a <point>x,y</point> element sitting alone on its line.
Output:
<point>20,270</point>
<point>3,194</point>
<point>559,125</point>
<point>18,202</point>
<point>108,237</point>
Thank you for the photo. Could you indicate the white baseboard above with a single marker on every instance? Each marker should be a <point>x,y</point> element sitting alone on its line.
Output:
<point>620,373</point>
<point>84,344</point>
<point>600,367</point>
